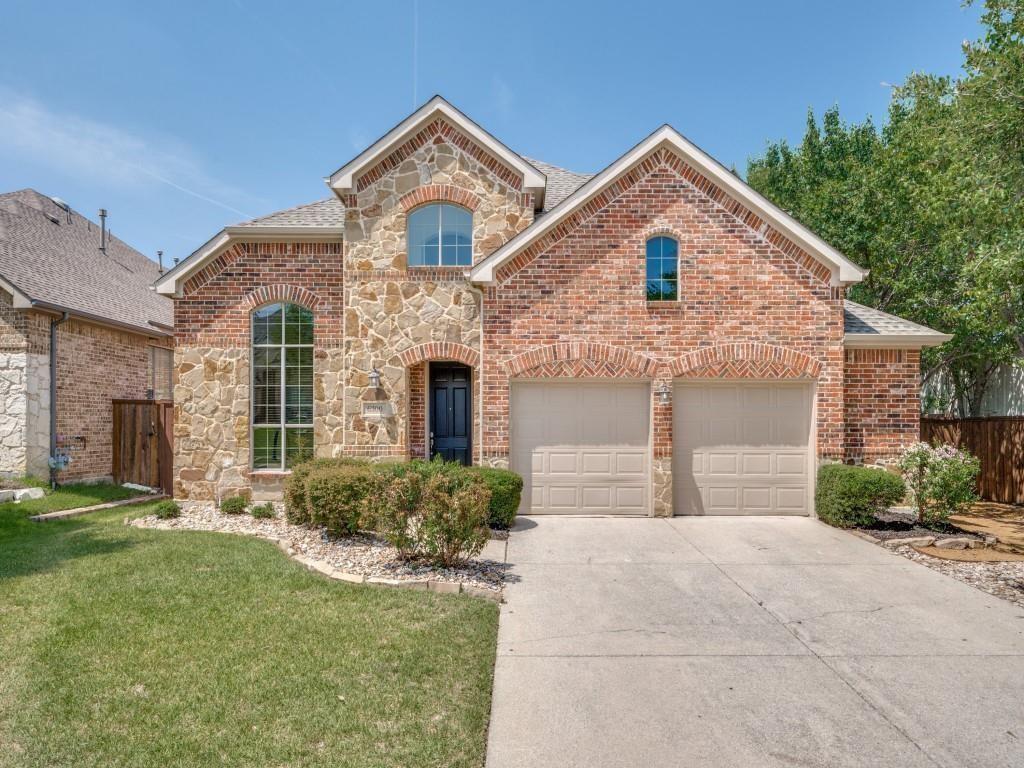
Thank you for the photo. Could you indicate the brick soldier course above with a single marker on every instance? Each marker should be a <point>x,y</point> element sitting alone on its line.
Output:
<point>556,291</point>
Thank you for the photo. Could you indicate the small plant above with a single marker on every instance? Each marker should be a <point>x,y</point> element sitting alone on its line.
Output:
<point>167,509</point>
<point>506,490</point>
<point>847,497</point>
<point>262,511</point>
<point>942,480</point>
<point>233,505</point>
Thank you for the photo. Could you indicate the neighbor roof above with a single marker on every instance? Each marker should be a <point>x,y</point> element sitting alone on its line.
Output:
<point>867,327</point>
<point>50,258</point>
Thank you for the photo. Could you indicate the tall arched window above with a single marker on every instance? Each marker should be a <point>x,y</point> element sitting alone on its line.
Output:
<point>440,234</point>
<point>282,386</point>
<point>662,269</point>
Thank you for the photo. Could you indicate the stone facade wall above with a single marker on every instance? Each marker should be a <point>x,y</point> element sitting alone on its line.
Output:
<point>882,403</point>
<point>749,306</point>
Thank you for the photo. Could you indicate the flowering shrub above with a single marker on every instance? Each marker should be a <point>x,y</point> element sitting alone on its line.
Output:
<point>941,480</point>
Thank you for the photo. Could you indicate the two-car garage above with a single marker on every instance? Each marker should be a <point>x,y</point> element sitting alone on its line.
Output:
<point>739,447</point>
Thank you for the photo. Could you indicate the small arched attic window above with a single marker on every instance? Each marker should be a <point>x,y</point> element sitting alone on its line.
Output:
<point>440,235</point>
<point>662,269</point>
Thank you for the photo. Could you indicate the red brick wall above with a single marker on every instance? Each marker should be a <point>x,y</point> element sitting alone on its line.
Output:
<point>735,286</point>
<point>214,311</point>
<point>882,402</point>
<point>94,366</point>
<point>418,411</point>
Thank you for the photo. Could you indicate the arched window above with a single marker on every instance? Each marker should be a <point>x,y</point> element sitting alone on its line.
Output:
<point>440,234</point>
<point>662,269</point>
<point>282,386</point>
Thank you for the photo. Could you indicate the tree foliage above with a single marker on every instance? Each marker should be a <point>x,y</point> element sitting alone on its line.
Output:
<point>932,203</point>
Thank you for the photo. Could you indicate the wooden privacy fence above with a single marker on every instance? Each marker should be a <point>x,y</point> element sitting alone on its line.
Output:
<point>998,441</point>
<point>142,443</point>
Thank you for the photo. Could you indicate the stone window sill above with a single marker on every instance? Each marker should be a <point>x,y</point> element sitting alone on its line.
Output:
<point>270,473</point>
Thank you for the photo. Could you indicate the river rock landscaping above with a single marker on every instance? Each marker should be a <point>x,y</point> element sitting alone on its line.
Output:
<point>1002,579</point>
<point>363,556</point>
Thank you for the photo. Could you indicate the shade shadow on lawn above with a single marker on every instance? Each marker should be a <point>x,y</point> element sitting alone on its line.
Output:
<point>186,648</point>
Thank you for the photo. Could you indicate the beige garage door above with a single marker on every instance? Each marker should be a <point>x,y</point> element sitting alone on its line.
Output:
<point>582,447</point>
<point>741,448</point>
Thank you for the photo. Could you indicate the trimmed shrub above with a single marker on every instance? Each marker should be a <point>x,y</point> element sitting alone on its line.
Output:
<point>296,509</point>
<point>337,497</point>
<point>454,506</point>
<point>262,511</point>
<point>942,480</point>
<point>393,507</point>
<point>847,497</point>
<point>233,505</point>
<point>167,509</point>
<point>506,491</point>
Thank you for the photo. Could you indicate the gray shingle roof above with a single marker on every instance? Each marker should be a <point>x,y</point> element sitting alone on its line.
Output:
<point>328,212</point>
<point>865,321</point>
<point>561,183</point>
<point>52,256</point>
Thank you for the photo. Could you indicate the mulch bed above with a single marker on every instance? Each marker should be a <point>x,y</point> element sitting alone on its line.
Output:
<point>899,524</point>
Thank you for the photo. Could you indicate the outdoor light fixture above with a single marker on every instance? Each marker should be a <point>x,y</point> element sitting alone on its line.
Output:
<point>664,394</point>
<point>375,378</point>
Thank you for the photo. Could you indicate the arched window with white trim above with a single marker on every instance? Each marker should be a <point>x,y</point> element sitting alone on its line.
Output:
<point>440,235</point>
<point>662,269</point>
<point>282,386</point>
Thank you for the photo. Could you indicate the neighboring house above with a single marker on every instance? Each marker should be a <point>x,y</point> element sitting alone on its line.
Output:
<point>63,279</point>
<point>654,339</point>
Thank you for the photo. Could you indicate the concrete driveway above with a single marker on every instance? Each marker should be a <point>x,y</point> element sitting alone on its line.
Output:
<point>747,642</point>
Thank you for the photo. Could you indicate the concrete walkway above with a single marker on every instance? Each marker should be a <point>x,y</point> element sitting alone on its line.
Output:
<point>749,643</point>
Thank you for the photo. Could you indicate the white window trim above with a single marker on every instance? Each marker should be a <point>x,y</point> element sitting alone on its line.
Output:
<point>647,241</point>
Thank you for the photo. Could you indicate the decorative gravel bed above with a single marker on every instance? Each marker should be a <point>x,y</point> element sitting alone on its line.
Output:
<point>362,555</point>
<point>1005,580</point>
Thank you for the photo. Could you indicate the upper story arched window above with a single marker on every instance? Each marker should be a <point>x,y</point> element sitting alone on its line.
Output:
<point>440,235</point>
<point>282,386</point>
<point>662,269</point>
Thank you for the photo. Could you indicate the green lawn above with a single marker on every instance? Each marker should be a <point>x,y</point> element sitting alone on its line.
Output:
<point>122,647</point>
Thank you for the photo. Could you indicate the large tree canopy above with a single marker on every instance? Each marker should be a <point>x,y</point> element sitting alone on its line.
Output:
<point>932,203</point>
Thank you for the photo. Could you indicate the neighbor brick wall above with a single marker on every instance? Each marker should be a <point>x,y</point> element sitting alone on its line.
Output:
<point>768,310</point>
<point>882,402</point>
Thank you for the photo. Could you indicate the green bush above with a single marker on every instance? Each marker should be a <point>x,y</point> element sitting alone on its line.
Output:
<point>942,480</point>
<point>454,513</point>
<point>167,509</point>
<point>296,509</point>
<point>506,490</point>
<point>393,507</point>
<point>847,496</point>
<point>337,497</point>
<point>233,505</point>
<point>262,511</point>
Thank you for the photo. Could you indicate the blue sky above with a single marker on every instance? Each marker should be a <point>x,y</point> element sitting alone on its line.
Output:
<point>182,117</point>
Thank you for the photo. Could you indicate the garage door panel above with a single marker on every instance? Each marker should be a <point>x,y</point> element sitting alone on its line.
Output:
<point>586,444</point>
<point>741,447</point>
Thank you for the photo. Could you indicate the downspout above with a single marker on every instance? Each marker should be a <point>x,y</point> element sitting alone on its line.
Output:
<point>53,397</point>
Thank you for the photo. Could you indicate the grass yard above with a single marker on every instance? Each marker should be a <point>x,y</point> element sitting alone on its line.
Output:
<point>121,646</point>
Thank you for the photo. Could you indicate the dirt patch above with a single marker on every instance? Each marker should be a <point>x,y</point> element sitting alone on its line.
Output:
<point>901,524</point>
<point>1004,521</point>
<point>971,555</point>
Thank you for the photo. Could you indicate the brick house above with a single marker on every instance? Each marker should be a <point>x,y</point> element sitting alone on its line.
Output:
<point>654,339</point>
<point>77,300</point>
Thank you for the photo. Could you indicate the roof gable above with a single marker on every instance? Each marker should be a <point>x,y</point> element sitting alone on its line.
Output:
<point>349,177</point>
<point>743,201</point>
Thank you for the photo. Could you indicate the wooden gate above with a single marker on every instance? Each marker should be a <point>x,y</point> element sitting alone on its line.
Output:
<point>998,441</point>
<point>142,443</point>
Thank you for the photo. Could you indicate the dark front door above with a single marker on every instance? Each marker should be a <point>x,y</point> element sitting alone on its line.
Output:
<point>451,420</point>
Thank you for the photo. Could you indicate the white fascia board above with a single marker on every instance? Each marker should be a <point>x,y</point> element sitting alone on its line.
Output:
<point>170,282</point>
<point>894,340</point>
<point>843,270</point>
<point>343,180</point>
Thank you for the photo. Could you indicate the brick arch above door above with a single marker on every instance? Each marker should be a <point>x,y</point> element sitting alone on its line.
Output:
<point>440,350</point>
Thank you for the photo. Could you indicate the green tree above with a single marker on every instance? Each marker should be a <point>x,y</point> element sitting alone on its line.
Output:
<point>931,203</point>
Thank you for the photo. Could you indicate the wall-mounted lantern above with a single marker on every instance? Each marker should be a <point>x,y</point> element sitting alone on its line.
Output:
<point>664,393</point>
<point>374,378</point>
